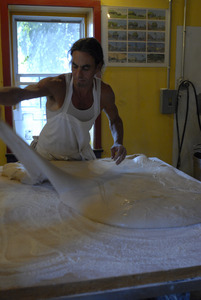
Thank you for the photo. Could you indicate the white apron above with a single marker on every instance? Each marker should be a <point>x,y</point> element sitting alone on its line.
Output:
<point>64,137</point>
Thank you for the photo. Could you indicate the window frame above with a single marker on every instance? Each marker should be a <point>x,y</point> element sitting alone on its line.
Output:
<point>21,79</point>
<point>30,17</point>
<point>6,43</point>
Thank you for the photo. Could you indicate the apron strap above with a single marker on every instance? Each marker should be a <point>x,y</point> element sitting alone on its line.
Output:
<point>69,92</point>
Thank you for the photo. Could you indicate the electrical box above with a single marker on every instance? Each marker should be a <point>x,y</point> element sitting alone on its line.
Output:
<point>168,101</point>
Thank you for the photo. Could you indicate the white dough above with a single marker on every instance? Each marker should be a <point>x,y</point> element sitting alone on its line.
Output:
<point>16,171</point>
<point>138,193</point>
<point>134,196</point>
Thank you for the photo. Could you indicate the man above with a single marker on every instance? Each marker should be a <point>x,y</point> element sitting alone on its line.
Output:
<point>74,101</point>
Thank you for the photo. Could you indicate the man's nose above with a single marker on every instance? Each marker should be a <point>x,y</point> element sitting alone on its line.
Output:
<point>79,72</point>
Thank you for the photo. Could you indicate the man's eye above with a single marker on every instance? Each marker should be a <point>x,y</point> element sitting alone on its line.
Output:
<point>86,68</point>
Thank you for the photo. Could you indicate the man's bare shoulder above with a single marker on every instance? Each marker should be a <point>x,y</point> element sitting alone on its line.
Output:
<point>60,78</point>
<point>55,86</point>
<point>56,90</point>
<point>53,81</point>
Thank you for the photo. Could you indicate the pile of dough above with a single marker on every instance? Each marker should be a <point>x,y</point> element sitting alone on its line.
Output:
<point>16,171</point>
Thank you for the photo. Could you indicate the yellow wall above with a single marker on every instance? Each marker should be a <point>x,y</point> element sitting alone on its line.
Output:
<point>137,97</point>
<point>138,91</point>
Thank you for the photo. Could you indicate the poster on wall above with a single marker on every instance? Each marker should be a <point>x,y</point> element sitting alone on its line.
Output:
<point>135,36</point>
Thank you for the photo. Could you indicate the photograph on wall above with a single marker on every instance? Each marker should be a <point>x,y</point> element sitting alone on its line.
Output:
<point>135,36</point>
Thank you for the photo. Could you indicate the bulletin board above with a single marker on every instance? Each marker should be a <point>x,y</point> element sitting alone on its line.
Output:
<point>135,36</point>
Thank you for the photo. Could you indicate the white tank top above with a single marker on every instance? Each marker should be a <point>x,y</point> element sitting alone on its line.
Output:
<point>82,115</point>
<point>66,137</point>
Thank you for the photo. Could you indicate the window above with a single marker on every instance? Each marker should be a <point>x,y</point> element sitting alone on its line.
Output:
<point>40,49</point>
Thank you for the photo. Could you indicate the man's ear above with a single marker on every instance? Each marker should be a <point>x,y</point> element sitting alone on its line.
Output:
<point>99,67</point>
<point>98,70</point>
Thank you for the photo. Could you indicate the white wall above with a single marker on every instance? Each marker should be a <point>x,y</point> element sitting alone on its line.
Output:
<point>192,72</point>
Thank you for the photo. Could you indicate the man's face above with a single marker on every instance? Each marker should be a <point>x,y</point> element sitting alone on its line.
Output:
<point>83,69</point>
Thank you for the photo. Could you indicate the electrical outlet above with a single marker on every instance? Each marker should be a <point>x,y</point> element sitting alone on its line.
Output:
<point>168,101</point>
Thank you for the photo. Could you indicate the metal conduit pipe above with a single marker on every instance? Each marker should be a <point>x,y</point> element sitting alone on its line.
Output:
<point>169,38</point>
<point>184,42</point>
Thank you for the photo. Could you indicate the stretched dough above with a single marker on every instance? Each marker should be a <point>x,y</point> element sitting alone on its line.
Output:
<point>138,193</point>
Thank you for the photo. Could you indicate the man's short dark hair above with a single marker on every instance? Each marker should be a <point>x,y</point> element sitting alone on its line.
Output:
<point>90,46</point>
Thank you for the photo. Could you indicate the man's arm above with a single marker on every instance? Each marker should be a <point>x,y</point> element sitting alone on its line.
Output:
<point>12,95</point>
<point>118,151</point>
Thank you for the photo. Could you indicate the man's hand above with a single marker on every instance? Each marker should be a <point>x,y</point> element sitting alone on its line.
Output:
<point>118,153</point>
